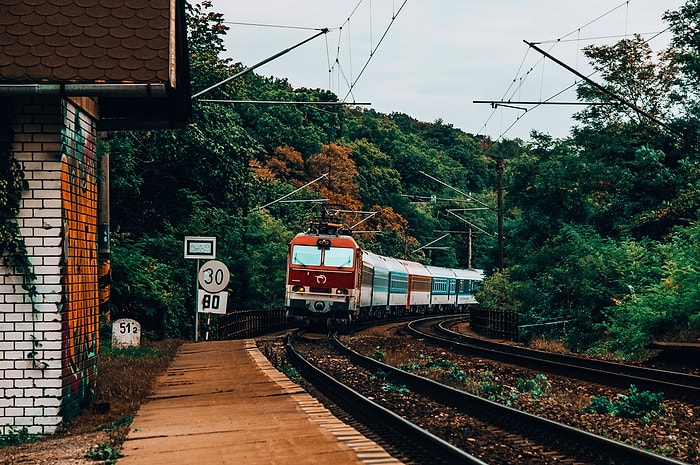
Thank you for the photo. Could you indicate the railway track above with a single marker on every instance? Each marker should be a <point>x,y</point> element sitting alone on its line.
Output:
<point>681,386</point>
<point>475,430</point>
<point>419,445</point>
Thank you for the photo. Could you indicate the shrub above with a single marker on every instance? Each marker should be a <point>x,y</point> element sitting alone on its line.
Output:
<point>391,387</point>
<point>636,404</point>
<point>103,452</point>
<point>600,405</point>
<point>639,404</point>
<point>458,375</point>
<point>537,386</point>
<point>379,355</point>
<point>411,367</point>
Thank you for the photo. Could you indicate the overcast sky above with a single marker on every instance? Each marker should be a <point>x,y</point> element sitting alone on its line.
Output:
<point>439,56</point>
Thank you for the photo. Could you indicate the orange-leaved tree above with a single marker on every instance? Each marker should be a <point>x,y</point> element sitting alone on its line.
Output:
<point>340,186</point>
<point>285,164</point>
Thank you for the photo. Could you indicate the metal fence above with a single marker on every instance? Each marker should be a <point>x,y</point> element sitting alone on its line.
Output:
<point>241,324</point>
<point>496,324</point>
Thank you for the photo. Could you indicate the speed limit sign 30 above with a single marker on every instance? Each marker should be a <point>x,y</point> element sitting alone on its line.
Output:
<point>214,276</point>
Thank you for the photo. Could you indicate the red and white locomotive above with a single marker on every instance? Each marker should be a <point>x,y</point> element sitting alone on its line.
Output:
<point>332,282</point>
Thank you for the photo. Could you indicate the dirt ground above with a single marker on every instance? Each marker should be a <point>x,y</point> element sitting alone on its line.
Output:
<point>97,434</point>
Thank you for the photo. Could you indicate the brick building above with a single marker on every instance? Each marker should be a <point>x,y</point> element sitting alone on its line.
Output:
<point>71,71</point>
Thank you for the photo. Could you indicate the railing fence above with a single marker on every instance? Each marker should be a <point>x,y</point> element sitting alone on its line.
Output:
<point>495,324</point>
<point>241,324</point>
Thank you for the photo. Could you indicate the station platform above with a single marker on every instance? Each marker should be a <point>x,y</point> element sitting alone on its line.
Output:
<point>223,403</point>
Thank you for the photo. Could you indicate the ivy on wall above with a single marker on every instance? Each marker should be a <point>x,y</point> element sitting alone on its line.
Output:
<point>13,250</point>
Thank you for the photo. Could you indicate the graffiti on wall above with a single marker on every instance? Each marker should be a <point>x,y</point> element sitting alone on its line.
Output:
<point>80,309</point>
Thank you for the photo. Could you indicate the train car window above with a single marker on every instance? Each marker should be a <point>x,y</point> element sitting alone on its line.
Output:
<point>381,279</point>
<point>439,285</point>
<point>367,275</point>
<point>399,282</point>
<point>342,257</point>
<point>420,284</point>
<point>308,255</point>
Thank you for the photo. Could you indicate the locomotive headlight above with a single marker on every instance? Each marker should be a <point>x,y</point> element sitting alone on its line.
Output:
<point>341,291</point>
<point>299,289</point>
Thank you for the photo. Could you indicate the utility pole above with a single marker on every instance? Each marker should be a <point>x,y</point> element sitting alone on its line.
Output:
<point>499,177</point>
<point>606,90</point>
<point>104,259</point>
<point>499,172</point>
<point>469,259</point>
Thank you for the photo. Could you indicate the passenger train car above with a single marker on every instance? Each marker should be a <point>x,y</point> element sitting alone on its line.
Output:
<point>332,282</point>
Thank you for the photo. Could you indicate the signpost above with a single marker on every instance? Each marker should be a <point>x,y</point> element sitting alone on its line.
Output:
<point>213,277</point>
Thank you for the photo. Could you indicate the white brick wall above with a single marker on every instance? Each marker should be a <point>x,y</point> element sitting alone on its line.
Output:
<point>31,397</point>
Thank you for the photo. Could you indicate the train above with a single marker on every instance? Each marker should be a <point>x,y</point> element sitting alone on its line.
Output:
<point>332,282</point>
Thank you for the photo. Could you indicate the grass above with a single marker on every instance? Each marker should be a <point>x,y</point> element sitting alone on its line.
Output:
<point>548,345</point>
<point>130,352</point>
<point>122,422</point>
<point>125,379</point>
<point>17,436</point>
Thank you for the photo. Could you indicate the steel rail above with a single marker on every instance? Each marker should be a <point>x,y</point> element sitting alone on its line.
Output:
<point>679,384</point>
<point>344,395</point>
<point>579,441</point>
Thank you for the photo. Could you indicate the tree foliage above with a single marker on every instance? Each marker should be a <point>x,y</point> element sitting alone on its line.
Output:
<point>599,227</point>
<point>594,221</point>
<point>214,177</point>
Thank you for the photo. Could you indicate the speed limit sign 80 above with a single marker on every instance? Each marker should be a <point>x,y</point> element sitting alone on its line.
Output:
<point>213,276</point>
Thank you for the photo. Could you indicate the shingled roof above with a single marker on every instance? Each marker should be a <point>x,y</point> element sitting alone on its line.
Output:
<point>117,44</point>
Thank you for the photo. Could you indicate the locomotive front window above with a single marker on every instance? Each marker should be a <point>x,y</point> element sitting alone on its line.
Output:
<point>342,257</point>
<point>308,255</point>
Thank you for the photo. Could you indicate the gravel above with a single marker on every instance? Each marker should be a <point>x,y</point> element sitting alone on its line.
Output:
<point>673,431</point>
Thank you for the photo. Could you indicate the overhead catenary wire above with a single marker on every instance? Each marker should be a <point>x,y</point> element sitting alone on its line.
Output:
<point>292,193</point>
<point>351,82</point>
<point>374,49</point>
<point>257,65</point>
<point>517,83</point>
<point>280,102</point>
<point>275,26</point>
<point>345,26</point>
<point>603,89</point>
<point>653,35</point>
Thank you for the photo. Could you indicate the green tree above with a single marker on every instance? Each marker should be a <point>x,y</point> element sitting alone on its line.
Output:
<point>665,303</point>
<point>377,180</point>
<point>543,188</point>
<point>169,184</point>
<point>631,71</point>
<point>260,262</point>
<point>632,161</point>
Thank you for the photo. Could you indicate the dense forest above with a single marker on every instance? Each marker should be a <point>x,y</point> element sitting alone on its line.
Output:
<point>599,228</point>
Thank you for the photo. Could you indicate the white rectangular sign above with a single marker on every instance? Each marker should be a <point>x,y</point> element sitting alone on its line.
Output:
<point>200,247</point>
<point>208,302</point>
